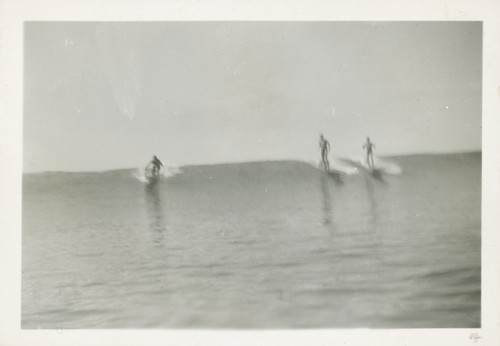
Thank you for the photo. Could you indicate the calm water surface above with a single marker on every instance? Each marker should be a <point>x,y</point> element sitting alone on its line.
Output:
<point>260,245</point>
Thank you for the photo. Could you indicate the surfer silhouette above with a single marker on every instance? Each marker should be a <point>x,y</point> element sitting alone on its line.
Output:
<point>324,145</point>
<point>368,146</point>
<point>157,164</point>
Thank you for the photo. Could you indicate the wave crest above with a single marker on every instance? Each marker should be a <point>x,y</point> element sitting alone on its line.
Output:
<point>166,172</point>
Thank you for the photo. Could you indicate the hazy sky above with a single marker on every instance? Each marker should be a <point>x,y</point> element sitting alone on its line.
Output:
<point>110,95</point>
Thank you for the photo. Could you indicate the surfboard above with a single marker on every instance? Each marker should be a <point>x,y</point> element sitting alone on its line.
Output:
<point>375,171</point>
<point>372,170</point>
<point>151,176</point>
<point>335,172</point>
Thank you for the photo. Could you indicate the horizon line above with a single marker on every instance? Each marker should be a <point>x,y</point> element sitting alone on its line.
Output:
<point>256,161</point>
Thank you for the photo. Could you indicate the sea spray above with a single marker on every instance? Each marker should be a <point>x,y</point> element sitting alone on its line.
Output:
<point>166,172</point>
<point>385,165</point>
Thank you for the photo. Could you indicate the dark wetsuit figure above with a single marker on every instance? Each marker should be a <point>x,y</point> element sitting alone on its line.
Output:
<point>156,165</point>
<point>325,148</point>
<point>369,152</point>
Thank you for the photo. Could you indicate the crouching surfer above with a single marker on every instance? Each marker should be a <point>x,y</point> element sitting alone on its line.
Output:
<point>154,167</point>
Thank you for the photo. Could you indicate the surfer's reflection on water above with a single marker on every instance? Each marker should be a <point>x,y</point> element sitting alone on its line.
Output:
<point>372,200</point>
<point>155,213</point>
<point>336,177</point>
<point>377,175</point>
<point>374,227</point>
<point>327,201</point>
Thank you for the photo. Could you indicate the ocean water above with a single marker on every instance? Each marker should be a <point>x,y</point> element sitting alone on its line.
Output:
<point>255,245</point>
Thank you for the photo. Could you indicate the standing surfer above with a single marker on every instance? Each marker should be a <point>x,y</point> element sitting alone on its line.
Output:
<point>369,153</point>
<point>324,145</point>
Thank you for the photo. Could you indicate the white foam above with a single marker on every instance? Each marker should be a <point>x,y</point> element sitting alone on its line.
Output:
<point>171,171</point>
<point>384,165</point>
<point>138,173</point>
<point>166,172</point>
<point>339,166</point>
<point>389,167</point>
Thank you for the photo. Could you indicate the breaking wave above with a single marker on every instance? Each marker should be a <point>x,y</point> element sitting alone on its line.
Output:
<point>166,172</point>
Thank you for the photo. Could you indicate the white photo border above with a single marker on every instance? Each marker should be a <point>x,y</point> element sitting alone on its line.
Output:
<point>13,14</point>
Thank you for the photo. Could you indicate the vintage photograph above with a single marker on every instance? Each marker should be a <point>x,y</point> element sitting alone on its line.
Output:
<point>251,175</point>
